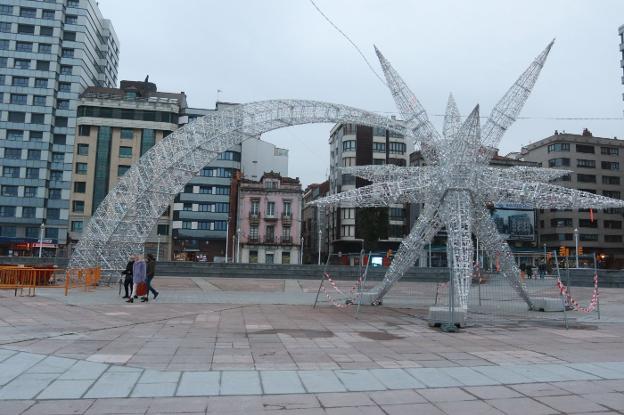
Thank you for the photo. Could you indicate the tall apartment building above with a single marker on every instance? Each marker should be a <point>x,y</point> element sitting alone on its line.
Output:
<point>116,126</point>
<point>313,225</point>
<point>261,157</point>
<point>358,145</point>
<point>269,223</point>
<point>621,33</point>
<point>50,52</point>
<point>597,164</point>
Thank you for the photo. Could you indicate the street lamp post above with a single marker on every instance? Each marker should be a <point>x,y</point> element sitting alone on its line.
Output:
<point>576,240</point>
<point>238,245</point>
<point>227,239</point>
<point>158,247</point>
<point>233,245</point>
<point>42,228</point>
<point>301,252</point>
<point>319,246</point>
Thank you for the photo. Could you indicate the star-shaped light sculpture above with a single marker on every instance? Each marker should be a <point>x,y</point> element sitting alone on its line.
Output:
<point>456,185</point>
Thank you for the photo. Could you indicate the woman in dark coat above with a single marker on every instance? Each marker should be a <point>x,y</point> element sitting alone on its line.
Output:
<point>138,276</point>
<point>128,277</point>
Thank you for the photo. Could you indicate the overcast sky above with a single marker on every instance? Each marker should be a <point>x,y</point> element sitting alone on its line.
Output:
<point>257,50</point>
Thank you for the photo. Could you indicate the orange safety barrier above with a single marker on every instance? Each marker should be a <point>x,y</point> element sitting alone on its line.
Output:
<point>85,278</point>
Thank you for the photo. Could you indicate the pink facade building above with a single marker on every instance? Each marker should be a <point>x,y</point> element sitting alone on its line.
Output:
<point>269,220</point>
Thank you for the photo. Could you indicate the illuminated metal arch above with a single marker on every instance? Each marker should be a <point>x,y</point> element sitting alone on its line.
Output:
<point>125,218</point>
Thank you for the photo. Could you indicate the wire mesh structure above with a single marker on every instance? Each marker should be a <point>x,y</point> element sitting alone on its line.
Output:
<point>457,184</point>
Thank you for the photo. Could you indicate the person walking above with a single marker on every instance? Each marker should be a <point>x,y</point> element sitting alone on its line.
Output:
<point>542,269</point>
<point>128,277</point>
<point>529,271</point>
<point>138,277</point>
<point>150,271</point>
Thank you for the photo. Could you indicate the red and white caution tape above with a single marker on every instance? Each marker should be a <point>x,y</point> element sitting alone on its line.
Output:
<point>592,304</point>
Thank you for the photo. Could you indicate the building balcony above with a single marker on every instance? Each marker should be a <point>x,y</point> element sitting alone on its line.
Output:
<point>269,217</point>
<point>254,217</point>
<point>271,240</point>
<point>287,239</point>
<point>286,218</point>
<point>253,240</point>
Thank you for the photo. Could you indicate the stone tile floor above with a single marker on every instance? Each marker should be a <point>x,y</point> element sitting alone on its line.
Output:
<point>191,348</point>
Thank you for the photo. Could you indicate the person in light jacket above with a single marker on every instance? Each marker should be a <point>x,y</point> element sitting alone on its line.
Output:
<point>138,276</point>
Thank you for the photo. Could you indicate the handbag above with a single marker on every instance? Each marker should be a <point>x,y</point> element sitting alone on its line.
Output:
<point>141,289</point>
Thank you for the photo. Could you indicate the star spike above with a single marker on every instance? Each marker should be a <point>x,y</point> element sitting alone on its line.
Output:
<point>452,119</point>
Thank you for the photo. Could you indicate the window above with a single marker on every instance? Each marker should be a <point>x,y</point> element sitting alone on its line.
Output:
<point>10,172</point>
<point>8,231</point>
<point>60,121</point>
<point>28,12</point>
<point>73,3</point>
<point>127,133</point>
<point>609,151</point>
<point>46,31</point>
<point>64,86</point>
<point>6,9</point>
<point>78,206</point>
<point>397,213</point>
<point>36,135</point>
<point>19,81</point>
<point>41,83</point>
<point>21,63</point>
<point>270,233</point>
<point>19,117</point>
<point>230,155</point>
<point>34,154</point>
<point>47,14</point>
<point>66,69</point>
<point>29,212</point>
<point>613,238</point>
<point>15,135</point>
<point>32,232</point>
<point>39,100</point>
<point>613,224</point>
<point>269,258</point>
<point>3,63</point>
<point>588,164</point>
<point>62,104</point>
<point>558,147</point>
<point>44,48</point>
<point>286,235</point>
<point>37,118</point>
<point>397,148</point>
<point>270,209</point>
<point>4,44</point>
<point>10,191</point>
<point>7,211</point>
<point>81,168</point>
<point>76,226</point>
<point>30,191</point>
<point>23,46</point>
<point>588,237</point>
<point>253,233</point>
<point>253,257</point>
<point>60,139</point>
<point>54,213</point>
<point>83,149</point>
<point>610,165</point>
<point>162,230</point>
<point>71,19</point>
<point>122,169</point>
<point>285,257</point>
<point>125,152</point>
<point>588,223</point>
<point>614,194</point>
<point>51,233</point>
<point>187,225</point>
<point>561,222</point>
<point>558,162</point>
<point>70,36</point>
<point>80,187</point>
<point>56,175</point>
<point>287,208</point>
<point>348,145</point>
<point>58,157</point>
<point>379,147</point>
<point>26,29</point>
<point>19,99</point>
<point>84,130</point>
<point>12,153</point>
<point>67,53</point>
<point>582,148</point>
<point>32,173</point>
<point>43,65</point>
<point>5,27</point>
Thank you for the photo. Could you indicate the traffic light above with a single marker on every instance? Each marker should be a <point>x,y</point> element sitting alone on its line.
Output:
<point>562,251</point>
<point>580,250</point>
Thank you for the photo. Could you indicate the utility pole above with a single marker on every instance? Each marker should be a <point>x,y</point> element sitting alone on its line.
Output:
<point>576,240</point>
<point>41,238</point>
<point>227,239</point>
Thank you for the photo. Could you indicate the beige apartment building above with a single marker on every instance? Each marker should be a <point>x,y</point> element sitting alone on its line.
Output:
<point>597,165</point>
<point>115,127</point>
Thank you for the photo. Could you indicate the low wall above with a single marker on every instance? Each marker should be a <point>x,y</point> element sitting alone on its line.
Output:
<point>581,277</point>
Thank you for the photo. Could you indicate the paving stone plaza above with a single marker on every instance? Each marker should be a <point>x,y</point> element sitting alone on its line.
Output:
<point>211,345</point>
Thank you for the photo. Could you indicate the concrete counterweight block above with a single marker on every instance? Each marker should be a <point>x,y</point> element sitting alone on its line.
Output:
<point>441,315</point>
